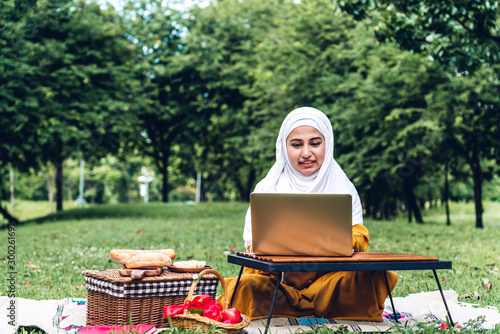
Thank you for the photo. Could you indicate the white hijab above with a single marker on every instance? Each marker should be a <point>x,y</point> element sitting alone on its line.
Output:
<point>282,178</point>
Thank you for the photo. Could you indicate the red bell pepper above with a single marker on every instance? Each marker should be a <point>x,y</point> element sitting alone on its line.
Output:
<point>199,302</point>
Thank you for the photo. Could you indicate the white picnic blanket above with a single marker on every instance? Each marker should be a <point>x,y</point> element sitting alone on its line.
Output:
<point>66,316</point>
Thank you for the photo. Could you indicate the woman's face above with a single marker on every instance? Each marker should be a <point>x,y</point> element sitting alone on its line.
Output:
<point>306,149</point>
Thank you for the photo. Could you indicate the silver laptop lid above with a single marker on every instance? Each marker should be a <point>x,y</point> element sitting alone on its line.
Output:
<point>301,224</point>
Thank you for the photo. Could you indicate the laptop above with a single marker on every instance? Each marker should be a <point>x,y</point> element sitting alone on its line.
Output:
<point>301,224</point>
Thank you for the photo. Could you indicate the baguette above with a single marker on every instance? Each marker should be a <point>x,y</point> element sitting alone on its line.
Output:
<point>123,255</point>
<point>150,259</point>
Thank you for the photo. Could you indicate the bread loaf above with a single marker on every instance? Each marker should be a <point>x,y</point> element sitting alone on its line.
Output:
<point>148,259</point>
<point>123,255</point>
<point>190,264</point>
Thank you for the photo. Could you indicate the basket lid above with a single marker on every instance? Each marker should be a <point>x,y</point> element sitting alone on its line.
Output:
<point>167,284</point>
<point>113,275</point>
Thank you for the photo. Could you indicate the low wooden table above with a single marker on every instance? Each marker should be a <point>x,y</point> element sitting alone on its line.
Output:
<point>360,261</point>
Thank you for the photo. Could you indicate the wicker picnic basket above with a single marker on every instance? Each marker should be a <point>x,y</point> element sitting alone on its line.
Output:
<point>117,300</point>
<point>187,320</point>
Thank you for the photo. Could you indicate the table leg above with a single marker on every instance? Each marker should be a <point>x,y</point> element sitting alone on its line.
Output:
<point>280,276</point>
<point>442,296</point>
<point>390,297</point>
<point>236,286</point>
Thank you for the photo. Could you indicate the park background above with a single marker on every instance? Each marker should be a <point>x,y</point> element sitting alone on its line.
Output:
<point>199,92</point>
<point>411,88</point>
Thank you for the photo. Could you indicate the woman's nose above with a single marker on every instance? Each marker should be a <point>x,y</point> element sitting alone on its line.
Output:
<point>306,152</point>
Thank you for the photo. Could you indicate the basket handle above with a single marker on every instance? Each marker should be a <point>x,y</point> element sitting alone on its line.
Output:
<point>222,281</point>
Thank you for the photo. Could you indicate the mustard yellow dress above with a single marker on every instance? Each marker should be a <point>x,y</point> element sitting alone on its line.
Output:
<point>354,295</point>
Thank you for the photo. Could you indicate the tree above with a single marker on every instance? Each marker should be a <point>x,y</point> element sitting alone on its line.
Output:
<point>389,136</point>
<point>18,146</point>
<point>164,98</point>
<point>303,59</point>
<point>222,46</point>
<point>461,35</point>
<point>374,95</point>
<point>469,109</point>
<point>71,93</point>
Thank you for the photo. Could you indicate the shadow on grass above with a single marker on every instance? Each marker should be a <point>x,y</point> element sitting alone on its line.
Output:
<point>153,211</point>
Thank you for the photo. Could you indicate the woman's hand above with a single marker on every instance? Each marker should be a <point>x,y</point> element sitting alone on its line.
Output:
<point>360,238</point>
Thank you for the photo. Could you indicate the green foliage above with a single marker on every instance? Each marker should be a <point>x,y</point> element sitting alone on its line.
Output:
<point>182,194</point>
<point>76,75</point>
<point>492,190</point>
<point>463,38</point>
<point>66,88</point>
<point>165,93</point>
<point>108,180</point>
<point>387,152</point>
<point>221,48</point>
<point>461,35</point>
<point>17,148</point>
<point>30,330</point>
<point>461,192</point>
<point>468,109</point>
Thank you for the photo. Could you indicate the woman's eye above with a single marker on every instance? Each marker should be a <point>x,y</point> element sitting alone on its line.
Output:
<point>316,144</point>
<point>296,145</point>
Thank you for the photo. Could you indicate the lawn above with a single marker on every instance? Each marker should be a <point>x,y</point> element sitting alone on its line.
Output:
<point>25,210</point>
<point>52,252</point>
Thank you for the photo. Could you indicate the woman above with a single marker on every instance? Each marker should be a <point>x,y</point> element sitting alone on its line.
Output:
<point>305,163</point>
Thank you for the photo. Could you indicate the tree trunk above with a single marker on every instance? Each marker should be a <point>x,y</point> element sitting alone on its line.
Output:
<point>410,213</point>
<point>164,187</point>
<point>244,188</point>
<point>59,185</point>
<point>387,210</point>
<point>161,161</point>
<point>412,202</point>
<point>446,194</point>
<point>250,181</point>
<point>163,168</point>
<point>203,194</point>
<point>475,165</point>
<point>418,213</point>
<point>50,177</point>
<point>12,195</point>
<point>421,203</point>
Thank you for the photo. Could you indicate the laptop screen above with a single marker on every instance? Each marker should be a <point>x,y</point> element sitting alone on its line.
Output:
<point>301,224</point>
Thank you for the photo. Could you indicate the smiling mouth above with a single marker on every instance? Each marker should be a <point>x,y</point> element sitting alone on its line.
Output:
<point>308,163</point>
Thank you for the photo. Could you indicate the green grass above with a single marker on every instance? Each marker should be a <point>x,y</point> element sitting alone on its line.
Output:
<point>66,244</point>
<point>475,253</point>
<point>25,210</point>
